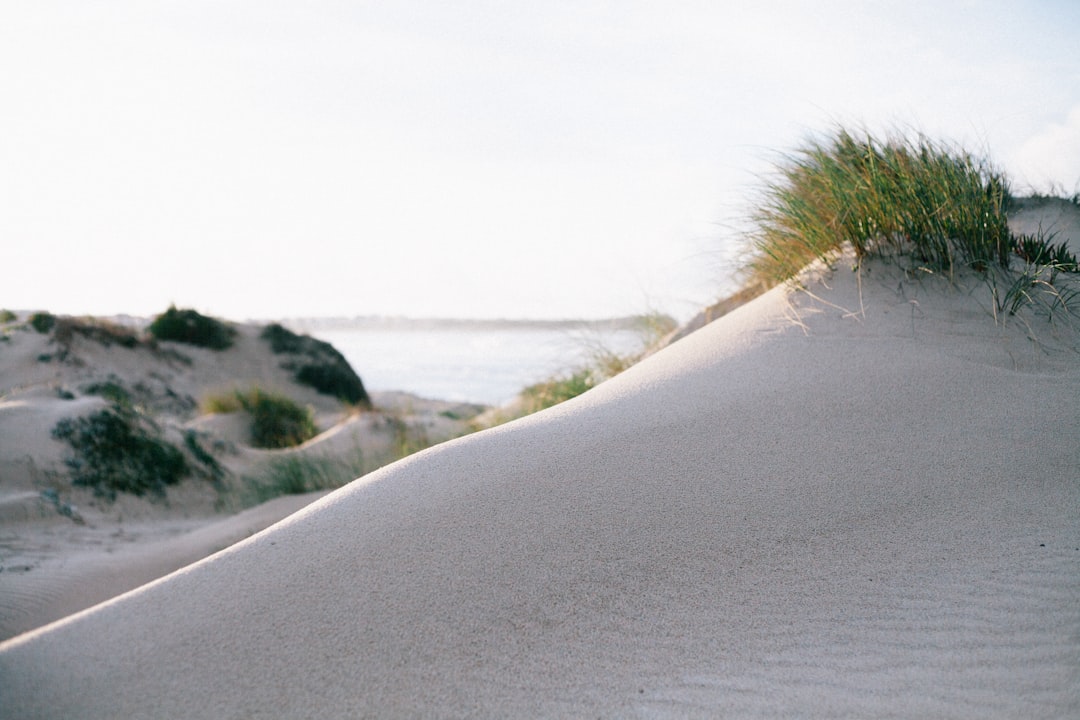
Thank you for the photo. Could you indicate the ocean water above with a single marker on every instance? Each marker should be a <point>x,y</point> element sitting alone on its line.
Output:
<point>467,363</point>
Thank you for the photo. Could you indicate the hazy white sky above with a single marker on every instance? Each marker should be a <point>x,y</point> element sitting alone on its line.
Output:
<point>262,158</point>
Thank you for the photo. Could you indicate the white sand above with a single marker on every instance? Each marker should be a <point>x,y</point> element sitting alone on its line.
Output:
<point>861,503</point>
<point>51,565</point>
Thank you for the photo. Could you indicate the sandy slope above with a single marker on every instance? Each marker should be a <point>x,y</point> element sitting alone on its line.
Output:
<point>62,549</point>
<point>860,501</point>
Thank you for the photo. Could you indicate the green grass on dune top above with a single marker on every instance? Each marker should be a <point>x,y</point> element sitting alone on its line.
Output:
<point>933,206</point>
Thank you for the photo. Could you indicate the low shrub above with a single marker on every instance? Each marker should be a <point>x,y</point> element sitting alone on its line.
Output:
<point>209,463</point>
<point>336,379</point>
<point>319,365</point>
<point>188,326</point>
<point>43,322</point>
<point>7,316</point>
<point>112,390</point>
<point>283,340</point>
<point>115,451</point>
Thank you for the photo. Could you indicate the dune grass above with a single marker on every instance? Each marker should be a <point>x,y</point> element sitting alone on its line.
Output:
<point>601,363</point>
<point>937,208</point>
<point>277,421</point>
<point>942,206</point>
<point>295,474</point>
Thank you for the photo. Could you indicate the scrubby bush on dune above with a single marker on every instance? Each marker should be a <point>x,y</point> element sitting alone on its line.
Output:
<point>318,365</point>
<point>938,208</point>
<point>188,326</point>
<point>115,450</point>
<point>42,322</point>
<point>112,390</point>
<point>7,316</point>
<point>283,340</point>
<point>337,380</point>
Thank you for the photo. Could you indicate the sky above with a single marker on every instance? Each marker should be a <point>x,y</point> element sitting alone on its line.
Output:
<point>261,159</point>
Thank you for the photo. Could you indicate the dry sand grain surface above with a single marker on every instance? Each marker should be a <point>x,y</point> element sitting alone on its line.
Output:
<point>858,500</point>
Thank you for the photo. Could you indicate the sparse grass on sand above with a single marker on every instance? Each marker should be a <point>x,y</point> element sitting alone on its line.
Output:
<point>601,364</point>
<point>295,474</point>
<point>938,208</point>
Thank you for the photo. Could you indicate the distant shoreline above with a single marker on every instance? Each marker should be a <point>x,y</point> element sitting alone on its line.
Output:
<point>382,322</point>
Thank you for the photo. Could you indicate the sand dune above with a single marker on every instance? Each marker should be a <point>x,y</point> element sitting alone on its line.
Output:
<point>63,548</point>
<point>856,501</point>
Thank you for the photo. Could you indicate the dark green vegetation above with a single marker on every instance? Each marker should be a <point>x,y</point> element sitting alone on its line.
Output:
<point>935,208</point>
<point>276,421</point>
<point>188,326</point>
<point>42,322</point>
<point>116,450</point>
<point>112,390</point>
<point>209,463</point>
<point>318,365</point>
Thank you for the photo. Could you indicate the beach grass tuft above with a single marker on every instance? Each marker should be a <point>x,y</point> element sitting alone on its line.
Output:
<point>602,363</point>
<point>940,206</point>
<point>295,474</point>
<point>933,207</point>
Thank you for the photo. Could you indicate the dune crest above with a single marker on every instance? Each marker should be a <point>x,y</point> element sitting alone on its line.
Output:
<point>859,500</point>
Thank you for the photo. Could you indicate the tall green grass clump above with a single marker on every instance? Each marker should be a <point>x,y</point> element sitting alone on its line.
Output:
<point>942,207</point>
<point>192,328</point>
